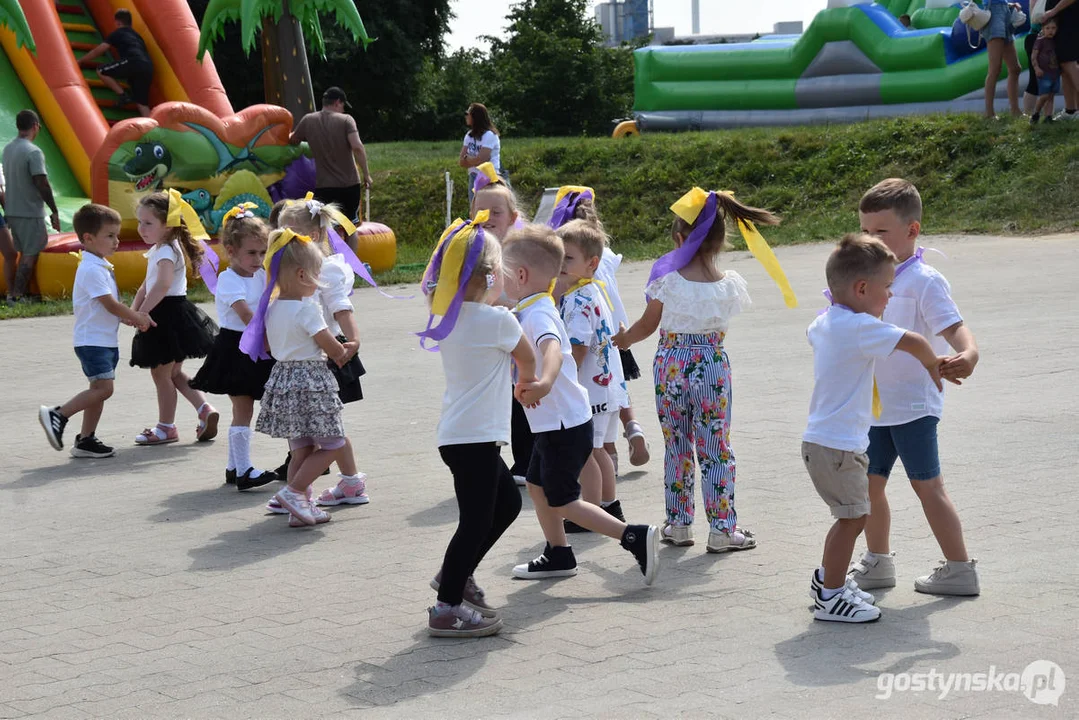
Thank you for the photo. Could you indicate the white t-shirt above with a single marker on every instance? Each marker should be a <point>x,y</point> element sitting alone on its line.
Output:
<point>473,146</point>
<point>609,263</point>
<point>476,360</point>
<point>94,325</point>
<point>233,287</point>
<point>699,307</point>
<point>588,322</point>
<point>846,346</point>
<point>337,280</point>
<point>922,302</point>
<point>291,326</point>
<point>167,251</point>
<point>567,405</point>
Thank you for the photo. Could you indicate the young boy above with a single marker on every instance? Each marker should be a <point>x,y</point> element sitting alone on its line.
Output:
<point>847,341</point>
<point>589,325</point>
<point>98,312</point>
<point>1046,66</point>
<point>911,408</point>
<point>134,64</point>
<point>559,414</point>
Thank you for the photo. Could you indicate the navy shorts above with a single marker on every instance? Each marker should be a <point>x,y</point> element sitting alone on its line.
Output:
<point>557,460</point>
<point>98,363</point>
<point>915,443</point>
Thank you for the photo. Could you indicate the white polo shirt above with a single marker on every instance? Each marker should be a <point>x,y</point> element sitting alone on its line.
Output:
<point>94,325</point>
<point>567,405</point>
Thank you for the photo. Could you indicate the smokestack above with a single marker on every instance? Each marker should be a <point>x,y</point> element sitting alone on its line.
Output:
<point>696,10</point>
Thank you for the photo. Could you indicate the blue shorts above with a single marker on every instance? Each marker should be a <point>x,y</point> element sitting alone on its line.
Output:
<point>98,363</point>
<point>915,443</point>
<point>1000,23</point>
<point>1048,86</point>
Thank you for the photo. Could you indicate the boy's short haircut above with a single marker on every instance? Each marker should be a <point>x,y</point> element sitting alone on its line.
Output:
<point>895,194</point>
<point>585,235</point>
<point>536,247</point>
<point>857,257</point>
<point>123,16</point>
<point>90,218</point>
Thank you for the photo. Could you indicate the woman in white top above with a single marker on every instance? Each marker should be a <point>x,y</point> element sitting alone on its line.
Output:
<point>481,144</point>
<point>692,302</point>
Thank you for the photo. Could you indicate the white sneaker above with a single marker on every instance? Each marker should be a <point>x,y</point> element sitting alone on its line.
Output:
<point>297,505</point>
<point>845,607</point>
<point>520,480</point>
<point>817,584</point>
<point>873,571</point>
<point>320,515</point>
<point>951,578</point>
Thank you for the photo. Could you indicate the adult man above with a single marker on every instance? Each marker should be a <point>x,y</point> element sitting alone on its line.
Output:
<point>26,194</point>
<point>134,64</point>
<point>335,143</point>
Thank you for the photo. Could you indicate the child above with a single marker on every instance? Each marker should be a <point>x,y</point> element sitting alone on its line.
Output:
<point>847,340</point>
<point>1044,63</point>
<point>587,316</point>
<point>574,202</point>
<point>300,400</point>
<point>476,342</point>
<point>227,371</point>
<point>98,313</point>
<point>693,303</point>
<point>559,415</point>
<point>910,409</point>
<point>182,331</point>
<point>134,65</point>
<point>337,279</point>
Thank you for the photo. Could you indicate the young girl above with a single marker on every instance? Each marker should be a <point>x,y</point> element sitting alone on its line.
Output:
<point>476,340</point>
<point>300,400</point>
<point>693,302</point>
<point>579,203</point>
<point>167,225</point>
<point>337,278</point>
<point>227,371</point>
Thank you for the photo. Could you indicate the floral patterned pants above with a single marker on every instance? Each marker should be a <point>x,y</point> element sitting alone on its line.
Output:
<point>693,399</point>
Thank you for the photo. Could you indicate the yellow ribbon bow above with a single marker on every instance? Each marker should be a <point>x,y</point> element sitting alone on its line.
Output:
<point>78,257</point>
<point>487,169</point>
<point>278,244</point>
<point>317,207</point>
<point>567,189</point>
<point>453,259</point>
<point>181,213</point>
<point>244,209</point>
<point>522,306</point>
<point>878,406</point>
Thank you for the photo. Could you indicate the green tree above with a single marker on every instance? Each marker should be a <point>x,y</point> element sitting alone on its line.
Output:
<point>12,18</point>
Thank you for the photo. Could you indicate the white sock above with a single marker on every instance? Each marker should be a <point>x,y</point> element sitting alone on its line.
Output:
<point>614,459</point>
<point>240,447</point>
<point>170,426</point>
<point>607,503</point>
<point>231,464</point>
<point>829,593</point>
<point>351,479</point>
<point>820,574</point>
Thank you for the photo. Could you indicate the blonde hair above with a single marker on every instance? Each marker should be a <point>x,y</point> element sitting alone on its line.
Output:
<point>584,234</point>
<point>535,247</point>
<point>297,216</point>
<point>857,256</point>
<point>488,263</point>
<point>297,254</point>
<point>727,207</point>
<point>158,204</point>
<point>505,193</point>
<point>895,194</point>
<point>238,228</point>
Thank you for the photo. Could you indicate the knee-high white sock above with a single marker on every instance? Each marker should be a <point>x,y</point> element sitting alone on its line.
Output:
<point>240,448</point>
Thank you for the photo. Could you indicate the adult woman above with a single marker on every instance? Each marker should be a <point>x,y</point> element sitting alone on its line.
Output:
<point>1066,13</point>
<point>481,144</point>
<point>1000,36</point>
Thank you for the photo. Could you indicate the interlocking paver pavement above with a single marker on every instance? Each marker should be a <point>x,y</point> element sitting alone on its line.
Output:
<point>143,587</point>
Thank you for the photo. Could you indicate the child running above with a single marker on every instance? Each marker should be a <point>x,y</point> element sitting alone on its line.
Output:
<point>476,343</point>
<point>910,407</point>
<point>170,227</point>
<point>98,313</point>
<point>848,339</point>
<point>693,302</point>
<point>300,400</point>
<point>227,370</point>
<point>586,313</point>
<point>560,416</point>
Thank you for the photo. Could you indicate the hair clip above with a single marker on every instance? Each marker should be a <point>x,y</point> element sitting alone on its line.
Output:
<point>490,280</point>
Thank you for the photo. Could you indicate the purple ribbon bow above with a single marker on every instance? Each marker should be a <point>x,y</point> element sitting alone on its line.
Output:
<point>680,257</point>
<point>567,207</point>
<point>449,320</point>
<point>209,267</point>
<point>253,340</point>
<point>340,246</point>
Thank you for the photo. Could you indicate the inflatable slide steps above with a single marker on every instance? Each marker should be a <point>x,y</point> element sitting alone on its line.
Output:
<point>83,35</point>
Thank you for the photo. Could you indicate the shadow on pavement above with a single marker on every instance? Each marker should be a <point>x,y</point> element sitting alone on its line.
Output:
<point>263,540</point>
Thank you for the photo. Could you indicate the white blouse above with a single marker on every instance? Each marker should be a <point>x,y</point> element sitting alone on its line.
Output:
<point>698,307</point>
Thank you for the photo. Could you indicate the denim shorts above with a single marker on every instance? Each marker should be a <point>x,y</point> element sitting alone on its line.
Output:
<point>1048,86</point>
<point>98,363</point>
<point>915,443</point>
<point>1000,22</point>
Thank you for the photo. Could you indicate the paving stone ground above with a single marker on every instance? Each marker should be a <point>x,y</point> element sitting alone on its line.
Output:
<point>141,586</point>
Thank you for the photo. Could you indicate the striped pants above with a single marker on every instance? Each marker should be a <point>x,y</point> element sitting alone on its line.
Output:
<point>693,399</point>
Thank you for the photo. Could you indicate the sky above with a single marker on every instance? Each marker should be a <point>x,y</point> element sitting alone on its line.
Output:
<point>487,17</point>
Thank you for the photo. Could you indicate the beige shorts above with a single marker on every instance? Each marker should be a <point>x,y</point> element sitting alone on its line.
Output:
<point>840,477</point>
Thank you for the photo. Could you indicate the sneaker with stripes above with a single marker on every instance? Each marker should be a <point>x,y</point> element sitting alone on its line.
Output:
<point>845,607</point>
<point>817,584</point>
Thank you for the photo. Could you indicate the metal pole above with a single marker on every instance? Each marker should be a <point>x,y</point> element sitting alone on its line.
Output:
<point>449,199</point>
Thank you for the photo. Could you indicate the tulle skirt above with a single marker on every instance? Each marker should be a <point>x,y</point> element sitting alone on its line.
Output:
<point>182,332</point>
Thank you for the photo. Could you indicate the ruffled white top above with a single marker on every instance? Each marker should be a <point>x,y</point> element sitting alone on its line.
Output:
<point>697,307</point>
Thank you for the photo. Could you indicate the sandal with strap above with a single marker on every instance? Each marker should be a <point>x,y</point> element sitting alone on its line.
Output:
<point>207,429</point>
<point>157,435</point>
<point>720,542</point>
<point>638,445</point>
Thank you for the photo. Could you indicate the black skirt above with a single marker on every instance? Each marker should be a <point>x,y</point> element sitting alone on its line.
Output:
<point>182,332</point>
<point>630,369</point>
<point>230,371</point>
<point>348,377</point>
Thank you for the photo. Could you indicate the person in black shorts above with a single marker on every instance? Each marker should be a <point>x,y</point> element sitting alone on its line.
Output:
<point>134,64</point>
<point>1066,13</point>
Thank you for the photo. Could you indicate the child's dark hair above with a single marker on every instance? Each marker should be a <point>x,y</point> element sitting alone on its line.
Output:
<point>91,217</point>
<point>895,194</point>
<point>238,228</point>
<point>857,256</point>
<point>585,235</point>
<point>586,210</point>
<point>158,204</point>
<point>481,120</point>
<point>123,16</point>
<point>275,213</point>
<point>727,207</point>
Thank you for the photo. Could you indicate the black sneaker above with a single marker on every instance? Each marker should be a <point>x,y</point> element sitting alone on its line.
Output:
<point>230,477</point>
<point>1035,118</point>
<point>90,447</point>
<point>643,542</point>
<point>615,510</point>
<point>53,423</point>
<point>282,471</point>
<point>246,482</point>
<point>553,563</point>
<point>571,527</point>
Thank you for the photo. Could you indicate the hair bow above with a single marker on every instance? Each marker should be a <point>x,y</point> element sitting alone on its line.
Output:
<point>487,175</point>
<point>243,210</point>
<point>566,201</point>
<point>180,214</point>
<point>448,273</point>
<point>253,340</point>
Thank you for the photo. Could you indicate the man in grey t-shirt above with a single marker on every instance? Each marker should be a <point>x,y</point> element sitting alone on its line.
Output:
<point>26,194</point>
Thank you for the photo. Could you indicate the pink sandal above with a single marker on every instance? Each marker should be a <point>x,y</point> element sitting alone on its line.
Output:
<point>345,493</point>
<point>157,435</point>
<point>208,418</point>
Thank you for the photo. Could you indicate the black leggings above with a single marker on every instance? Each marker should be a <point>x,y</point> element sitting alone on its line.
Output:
<point>1032,80</point>
<point>521,440</point>
<point>488,502</point>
